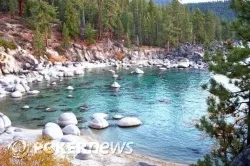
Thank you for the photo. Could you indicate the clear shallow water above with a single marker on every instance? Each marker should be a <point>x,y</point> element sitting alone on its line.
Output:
<point>168,128</point>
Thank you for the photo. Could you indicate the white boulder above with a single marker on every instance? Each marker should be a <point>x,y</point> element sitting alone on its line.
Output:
<point>68,74</point>
<point>70,138</point>
<point>16,94</point>
<point>115,85</point>
<point>100,115</point>
<point>117,117</point>
<point>4,122</point>
<point>52,131</point>
<point>84,155</point>
<point>70,88</point>
<point>98,123</point>
<point>71,129</point>
<point>67,118</point>
<point>138,71</point>
<point>33,92</point>
<point>115,76</point>
<point>79,72</point>
<point>129,122</point>
<point>26,107</point>
<point>20,88</point>
<point>183,63</point>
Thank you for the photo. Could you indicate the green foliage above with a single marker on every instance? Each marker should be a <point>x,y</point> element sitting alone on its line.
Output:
<point>71,18</point>
<point>7,44</point>
<point>228,119</point>
<point>66,37</point>
<point>38,43</point>
<point>90,34</point>
<point>12,7</point>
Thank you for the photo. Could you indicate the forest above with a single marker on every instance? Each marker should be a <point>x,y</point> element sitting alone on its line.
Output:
<point>222,9</point>
<point>136,22</point>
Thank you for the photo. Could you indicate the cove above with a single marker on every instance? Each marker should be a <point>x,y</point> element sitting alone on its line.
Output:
<point>167,102</point>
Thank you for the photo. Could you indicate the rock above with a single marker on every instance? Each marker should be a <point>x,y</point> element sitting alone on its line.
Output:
<point>26,107</point>
<point>67,119</point>
<point>69,138</point>
<point>52,131</point>
<point>117,117</point>
<point>70,96</point>
<point>10,130</point>
<point>84,155</point>
<point>71,129</point>
<point>242,159</point>
<point>20,88</point>
<point>138,71</point>
<point>53,83</point>
<point>100,115</point>
<point>129,122</point>
<point>98,123</point>
<point>115,85</point>
<point>70,88</point>
<point>183,63</point>
<point>50,110</point>
<point>33,92</point>
<point>4,122</point>
<point>163,68</point>
<point>79,72</point>
<point>112,71</point>
<point>68,74</point>
<point>16,94</point>
<point>115,76</point>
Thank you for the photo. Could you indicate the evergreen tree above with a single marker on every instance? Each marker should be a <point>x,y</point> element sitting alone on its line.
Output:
<point>210,24</point>
<point>198,27</point>
<point>90,34</point>
<point>228,119</point>
<point>38,43</point>
<point>71,18</point>
<point>43,16</point>
<point>12,7</point>
<point>66,37</point>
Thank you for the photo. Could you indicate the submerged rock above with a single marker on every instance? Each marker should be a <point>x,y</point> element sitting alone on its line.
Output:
<point>33,92</point>
<point>98,123</point>
<point>100,115</point>
<point>4,122</point>
<point>138,71</point>
<point>129,122</point>
<point>115,85</point>
<point>67,119</point>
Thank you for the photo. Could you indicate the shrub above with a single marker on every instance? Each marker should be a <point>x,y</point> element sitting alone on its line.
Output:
<point>7,44</point>
<point>90,34</point>
<point>41,158</point>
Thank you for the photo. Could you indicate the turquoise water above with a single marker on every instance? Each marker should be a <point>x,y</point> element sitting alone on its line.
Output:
<point>168,103</point>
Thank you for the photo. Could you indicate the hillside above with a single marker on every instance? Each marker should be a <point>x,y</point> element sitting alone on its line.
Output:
<point>221,9</point>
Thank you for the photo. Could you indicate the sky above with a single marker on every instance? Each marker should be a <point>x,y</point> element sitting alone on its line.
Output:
<point>196,1</point>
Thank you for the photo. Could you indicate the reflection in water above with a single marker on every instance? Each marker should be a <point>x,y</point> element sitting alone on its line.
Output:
<point>166,102</point>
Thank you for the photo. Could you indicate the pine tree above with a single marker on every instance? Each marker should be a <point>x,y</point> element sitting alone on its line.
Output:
<point>90,34</point>
<point>38,43</point>
<point>210,25</point>
<point>198,27</point>
<point>228,119</point>
<point>12,7</point>
<point>71,18</point>
<point>43,15</point>
<point>66,37</point>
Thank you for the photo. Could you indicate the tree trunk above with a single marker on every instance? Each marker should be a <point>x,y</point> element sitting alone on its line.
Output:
<point>100,18</point>
<point>46,39</point>
<point>248,121</point>
<point>20,4</point>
